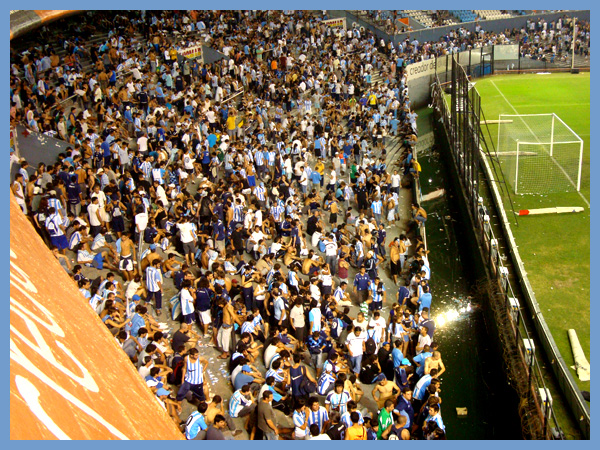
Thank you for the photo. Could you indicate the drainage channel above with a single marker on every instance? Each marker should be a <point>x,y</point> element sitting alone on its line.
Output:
<point>474,378</point>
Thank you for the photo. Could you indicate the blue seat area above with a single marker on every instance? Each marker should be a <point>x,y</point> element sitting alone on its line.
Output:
<point>464,15</point>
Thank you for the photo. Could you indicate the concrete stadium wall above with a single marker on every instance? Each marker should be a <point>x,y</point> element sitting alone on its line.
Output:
<point>69,378</point>
<point>210,55</point>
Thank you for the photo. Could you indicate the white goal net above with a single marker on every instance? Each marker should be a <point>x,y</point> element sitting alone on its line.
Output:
<point>539,154</point>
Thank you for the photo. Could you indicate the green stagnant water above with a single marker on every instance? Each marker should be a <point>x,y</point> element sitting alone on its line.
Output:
<point>474,378</point>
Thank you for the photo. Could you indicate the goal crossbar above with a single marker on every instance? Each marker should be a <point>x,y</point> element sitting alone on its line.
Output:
<point>553,129</point>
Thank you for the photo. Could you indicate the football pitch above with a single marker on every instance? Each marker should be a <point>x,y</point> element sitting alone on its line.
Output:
<point>555,248</point>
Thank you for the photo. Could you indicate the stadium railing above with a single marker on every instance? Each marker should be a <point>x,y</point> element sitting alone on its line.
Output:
<point>515,333</point>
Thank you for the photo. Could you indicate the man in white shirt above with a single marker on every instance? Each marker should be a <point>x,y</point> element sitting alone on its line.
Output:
<point>396,179</point>
<point>379,324</point>
<point>142,143</point>
<point>141,221</point>
<point>95,217</point>
<point>188,239</point>
<point>331,250</point>
<point>356,347</point>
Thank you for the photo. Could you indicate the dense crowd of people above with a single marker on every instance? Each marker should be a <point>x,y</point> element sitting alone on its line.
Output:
<point>539,39</point>
<point>262,201</point>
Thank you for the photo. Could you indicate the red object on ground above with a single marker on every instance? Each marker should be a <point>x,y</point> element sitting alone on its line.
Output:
<point>69,379</point>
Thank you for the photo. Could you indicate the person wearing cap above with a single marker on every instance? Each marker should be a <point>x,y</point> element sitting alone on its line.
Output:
<point>170,405</point>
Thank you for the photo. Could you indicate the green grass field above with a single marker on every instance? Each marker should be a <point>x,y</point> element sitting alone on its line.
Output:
<point>554,248</point>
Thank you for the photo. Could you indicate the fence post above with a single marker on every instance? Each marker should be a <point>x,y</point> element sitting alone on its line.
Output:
<point>470,68</point>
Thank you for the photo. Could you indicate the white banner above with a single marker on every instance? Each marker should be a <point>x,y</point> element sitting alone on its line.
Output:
<point>191,52</point>
<point>341,22</point>
<point>420,69</point>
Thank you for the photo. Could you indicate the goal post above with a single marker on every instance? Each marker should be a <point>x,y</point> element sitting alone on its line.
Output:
<point>539,154</point>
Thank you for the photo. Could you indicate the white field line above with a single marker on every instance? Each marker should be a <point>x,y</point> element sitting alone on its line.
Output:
<point>516,112</point>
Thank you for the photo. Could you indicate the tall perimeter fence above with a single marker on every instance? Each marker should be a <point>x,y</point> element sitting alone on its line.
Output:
<point>522,340</point>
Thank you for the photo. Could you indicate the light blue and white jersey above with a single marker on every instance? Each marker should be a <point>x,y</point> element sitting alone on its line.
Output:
<point>146,168</point>
<point>74,240</point>
<point>437,419</point>
<point>276,374</point>
<point>153,278</point>
<point>259,158</point>
<point>376,206</point>
<point>325,381</point>
<point>348,193</point>
<point>53,223</point>
<point>187,302</point>
<point>95,302</point>
<point>56,204</point>
<point>238,213</point>
<point>292,278</point>
<point>319,417</point>
<point>247,327</point>
<point>377,297</point>
<point>193,371</point>
<point>237,403</point>
<point>338,294</point>
<point>157,175</point>
<point>259,191</point>
<point>276,212</point>
<point>338,400</point>
<point>299,418</point>
<point>99,241</point>
<point>194,424</point>
<point>421,387</point>
<point>345,419</point>
<point>314,316</point>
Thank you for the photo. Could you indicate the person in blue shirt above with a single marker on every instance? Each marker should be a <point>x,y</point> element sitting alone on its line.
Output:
<point>361,285</point>
<point>419,360</point>
<point>316,344</point>
<point>425,299</point>
<point>403,295</point>
<point>137,321</point>
<point>435,417</point>
<point>405,404</point>
<point>195,425</point>
<point>397,355</point>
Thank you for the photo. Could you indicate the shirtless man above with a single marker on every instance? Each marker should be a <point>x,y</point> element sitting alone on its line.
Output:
<point>170,266</point>
<point>215,407</point>
<point>290,255</point>
<point>435,362</point>
<point>395,266</point>
<point>150,257</point>
<point>224,341</point>
<point>385,388</point>
<point>192,336</point>
<point>311,265</point>
<point>127,258</point>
